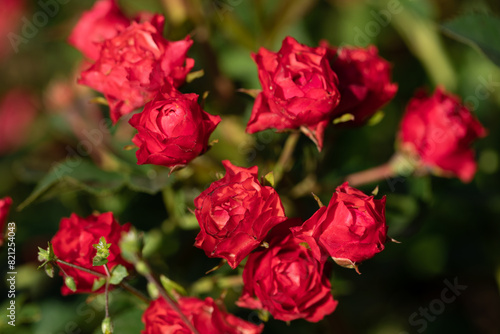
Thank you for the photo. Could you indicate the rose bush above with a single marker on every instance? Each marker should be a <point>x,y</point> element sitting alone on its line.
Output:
<point>73,243</point>
<point>134,65</point>
<point>350,229</point>
<point>286,280</point>
<point>235,214</point>
<point>439,131</point>
<point>299,90</point>
<point>172,129</point>
<point>205,315</point>
<point>364,80</point>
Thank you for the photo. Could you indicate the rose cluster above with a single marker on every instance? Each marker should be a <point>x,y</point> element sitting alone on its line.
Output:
<point>286,273</point>
<point>287,269</point>
<point>307,87</point>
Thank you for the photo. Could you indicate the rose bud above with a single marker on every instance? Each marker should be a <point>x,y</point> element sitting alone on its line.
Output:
<point>286,280</point>
<point>103,21</point>
<point>205,315</point>
<point>5,204</point>
<point>172,129</point>
<point>235,213</point>
<point>134,65</point>
<point>17,114</point>
<point>350,229</point>
<point>437,132</point>
<point>364,80</point>
<point>299,90</point>
<point>73,243</point>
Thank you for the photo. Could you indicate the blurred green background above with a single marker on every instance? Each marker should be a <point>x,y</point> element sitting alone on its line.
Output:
<point>450,231</point>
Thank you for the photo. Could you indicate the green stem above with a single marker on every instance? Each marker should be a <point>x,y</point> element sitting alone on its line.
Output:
<point>135,292</point>
<point>285,156</point>
<point>106,291</point>
<point>90,271</point>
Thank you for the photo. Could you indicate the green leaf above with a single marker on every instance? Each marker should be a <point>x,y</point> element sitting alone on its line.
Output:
<point>344,118</point>
<point>70,175</point>
<point>118,273</point>
<point>376,118</point>
<point>101,257</point>
<point>49,269</point>
<point>269,177</point>
<point>152,290</point>
<point>171,286</point>
<point>98,283</point>
<point>46,256</point>
<point>70,283</point>
<point>478,30</point>
<point>107,326</point>
<point>131,244</point>
<point>194,75</point>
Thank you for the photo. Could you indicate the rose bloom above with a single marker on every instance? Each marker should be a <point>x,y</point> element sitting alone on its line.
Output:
<point>364,80</point>
<point>172,129</point>
<point>103,21</point>
<point>350,229</point>
<point>299,90</point>
<point>286,280</point>
<point>135,64</point>
<point>235,214</point>
<point>17,113</point>
<point>5,204</point>
<point>73,243</point>
<point>439,130</point>
<point>205,315</point>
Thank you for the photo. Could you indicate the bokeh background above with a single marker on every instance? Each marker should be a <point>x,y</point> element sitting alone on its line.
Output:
<point>449,231</point>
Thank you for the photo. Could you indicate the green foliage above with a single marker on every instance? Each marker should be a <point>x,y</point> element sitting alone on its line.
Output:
<point>479,30</point>
<point>101,257</point>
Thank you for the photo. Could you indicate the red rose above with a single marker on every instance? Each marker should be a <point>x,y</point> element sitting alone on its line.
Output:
<point>104,21</point>
<point>350,229</point>
<point>134,65</point>
<point>17,113</point>
<point>235,213</point>
<point>364,80</point>
<point>205,315</point>
<point>172,129</point>
<point>286,279</point>
<point>439,130</point>
<point>299,90</point>
<point>5,204</point>
<point>73,243</point>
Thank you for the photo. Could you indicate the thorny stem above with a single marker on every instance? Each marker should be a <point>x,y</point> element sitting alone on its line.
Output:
<point>90,271</point>
<point>172,303</point>
<point>371,175</point>
<point>106,291</point>
<point>124,285</point>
